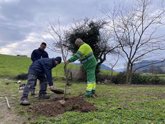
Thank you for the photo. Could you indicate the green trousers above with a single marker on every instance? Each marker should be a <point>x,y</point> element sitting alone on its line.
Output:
<point>90,68</point>
<point>91,79</point>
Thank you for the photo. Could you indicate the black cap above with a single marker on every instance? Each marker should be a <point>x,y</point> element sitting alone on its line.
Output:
<point>58,59</point>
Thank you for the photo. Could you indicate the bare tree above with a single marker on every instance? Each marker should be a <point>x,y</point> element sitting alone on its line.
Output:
<point>57,32</point>
<point>137,32</point>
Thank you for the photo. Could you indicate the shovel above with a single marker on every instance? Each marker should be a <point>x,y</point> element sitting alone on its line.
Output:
<point>57,91</point>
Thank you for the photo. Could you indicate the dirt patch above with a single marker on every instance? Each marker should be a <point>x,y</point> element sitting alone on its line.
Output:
<point>58,106</point>
<point>9,116</point>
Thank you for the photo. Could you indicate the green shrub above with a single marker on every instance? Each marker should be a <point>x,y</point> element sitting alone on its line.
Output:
<point>138,79</point>
<point>119,78</point>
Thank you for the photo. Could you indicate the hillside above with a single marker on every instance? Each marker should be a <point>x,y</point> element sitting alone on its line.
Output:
<point>149,66</point>
<point>11,66</point>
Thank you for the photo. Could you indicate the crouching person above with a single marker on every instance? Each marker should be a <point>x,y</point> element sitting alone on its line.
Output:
<point>41,70</point>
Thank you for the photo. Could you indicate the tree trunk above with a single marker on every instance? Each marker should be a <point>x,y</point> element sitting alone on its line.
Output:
<point>129,73</point>
<point>97,71</point>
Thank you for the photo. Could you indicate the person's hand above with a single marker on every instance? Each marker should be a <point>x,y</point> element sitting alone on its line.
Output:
<point>66,62</point>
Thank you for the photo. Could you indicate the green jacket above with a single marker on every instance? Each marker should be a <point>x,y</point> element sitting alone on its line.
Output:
<point>85,55</point>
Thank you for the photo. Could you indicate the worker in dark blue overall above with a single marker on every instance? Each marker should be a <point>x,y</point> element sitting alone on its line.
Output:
<point>41,70</point>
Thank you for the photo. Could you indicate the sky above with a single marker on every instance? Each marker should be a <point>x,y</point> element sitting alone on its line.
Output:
<point>23,23</point>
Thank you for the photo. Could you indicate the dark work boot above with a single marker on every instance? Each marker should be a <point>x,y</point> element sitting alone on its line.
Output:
<point>24,101</point>
<point>43,96</point>
<point>33,92</point>
<point>88,94</point>
<point>94,94</point>
<point>93,91</point>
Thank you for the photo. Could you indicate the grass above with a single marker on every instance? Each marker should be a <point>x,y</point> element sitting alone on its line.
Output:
<point>118,104</point>
<point>11,66</point>
<point>107,72</point>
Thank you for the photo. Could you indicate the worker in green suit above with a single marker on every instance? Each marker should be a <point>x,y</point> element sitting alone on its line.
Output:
<point>88,60</point>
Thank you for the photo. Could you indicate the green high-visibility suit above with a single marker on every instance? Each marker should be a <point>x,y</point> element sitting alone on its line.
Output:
<point>87,58</point>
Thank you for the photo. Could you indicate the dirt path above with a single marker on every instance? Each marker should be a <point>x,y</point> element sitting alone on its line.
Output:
<point>8,116</point>
<point>9,89</point>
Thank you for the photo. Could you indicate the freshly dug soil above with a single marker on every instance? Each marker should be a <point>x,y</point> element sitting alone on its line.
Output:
<point>58,106</point>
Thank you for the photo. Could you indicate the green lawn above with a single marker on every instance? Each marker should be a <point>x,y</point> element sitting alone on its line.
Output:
<point>107,72</point>
<point>11,66</point>
<point>117,104</point>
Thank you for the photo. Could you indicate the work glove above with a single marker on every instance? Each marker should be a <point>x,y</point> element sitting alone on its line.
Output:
<point>51,87</point>
<point>66,62</point>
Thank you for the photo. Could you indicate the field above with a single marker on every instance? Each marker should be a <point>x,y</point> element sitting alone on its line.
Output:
<point>11,66</point>
<point>116,104</point>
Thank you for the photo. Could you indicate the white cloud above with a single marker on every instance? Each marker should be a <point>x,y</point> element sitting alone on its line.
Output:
<point>24,47</point>
<point>8,1</point>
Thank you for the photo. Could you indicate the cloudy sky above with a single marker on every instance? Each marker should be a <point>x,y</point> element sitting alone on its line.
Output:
<point>23,22</point>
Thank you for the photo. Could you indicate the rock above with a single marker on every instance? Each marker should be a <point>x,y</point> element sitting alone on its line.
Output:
<point>62,102</point>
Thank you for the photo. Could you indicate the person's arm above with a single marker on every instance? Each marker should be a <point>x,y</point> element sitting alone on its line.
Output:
<point>49,76</point>
<point>49,79</point>
<point>75,57</point>
<point>33,56</point>
<point>46,55</point>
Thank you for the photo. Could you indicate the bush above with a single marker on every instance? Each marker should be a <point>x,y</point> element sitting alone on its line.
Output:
<point>104,78</point>
<point>119,78</point>
<point>22,76</point>
<point>138,79</point>
<point>147,79</point>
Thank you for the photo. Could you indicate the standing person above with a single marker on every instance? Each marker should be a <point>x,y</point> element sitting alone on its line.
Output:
<point>38,54</point>
<point>88,60</point>
<point>41,70</point>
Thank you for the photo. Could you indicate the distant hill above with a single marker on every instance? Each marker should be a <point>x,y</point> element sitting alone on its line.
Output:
<point>150,66</point>
<point>105,67</point>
